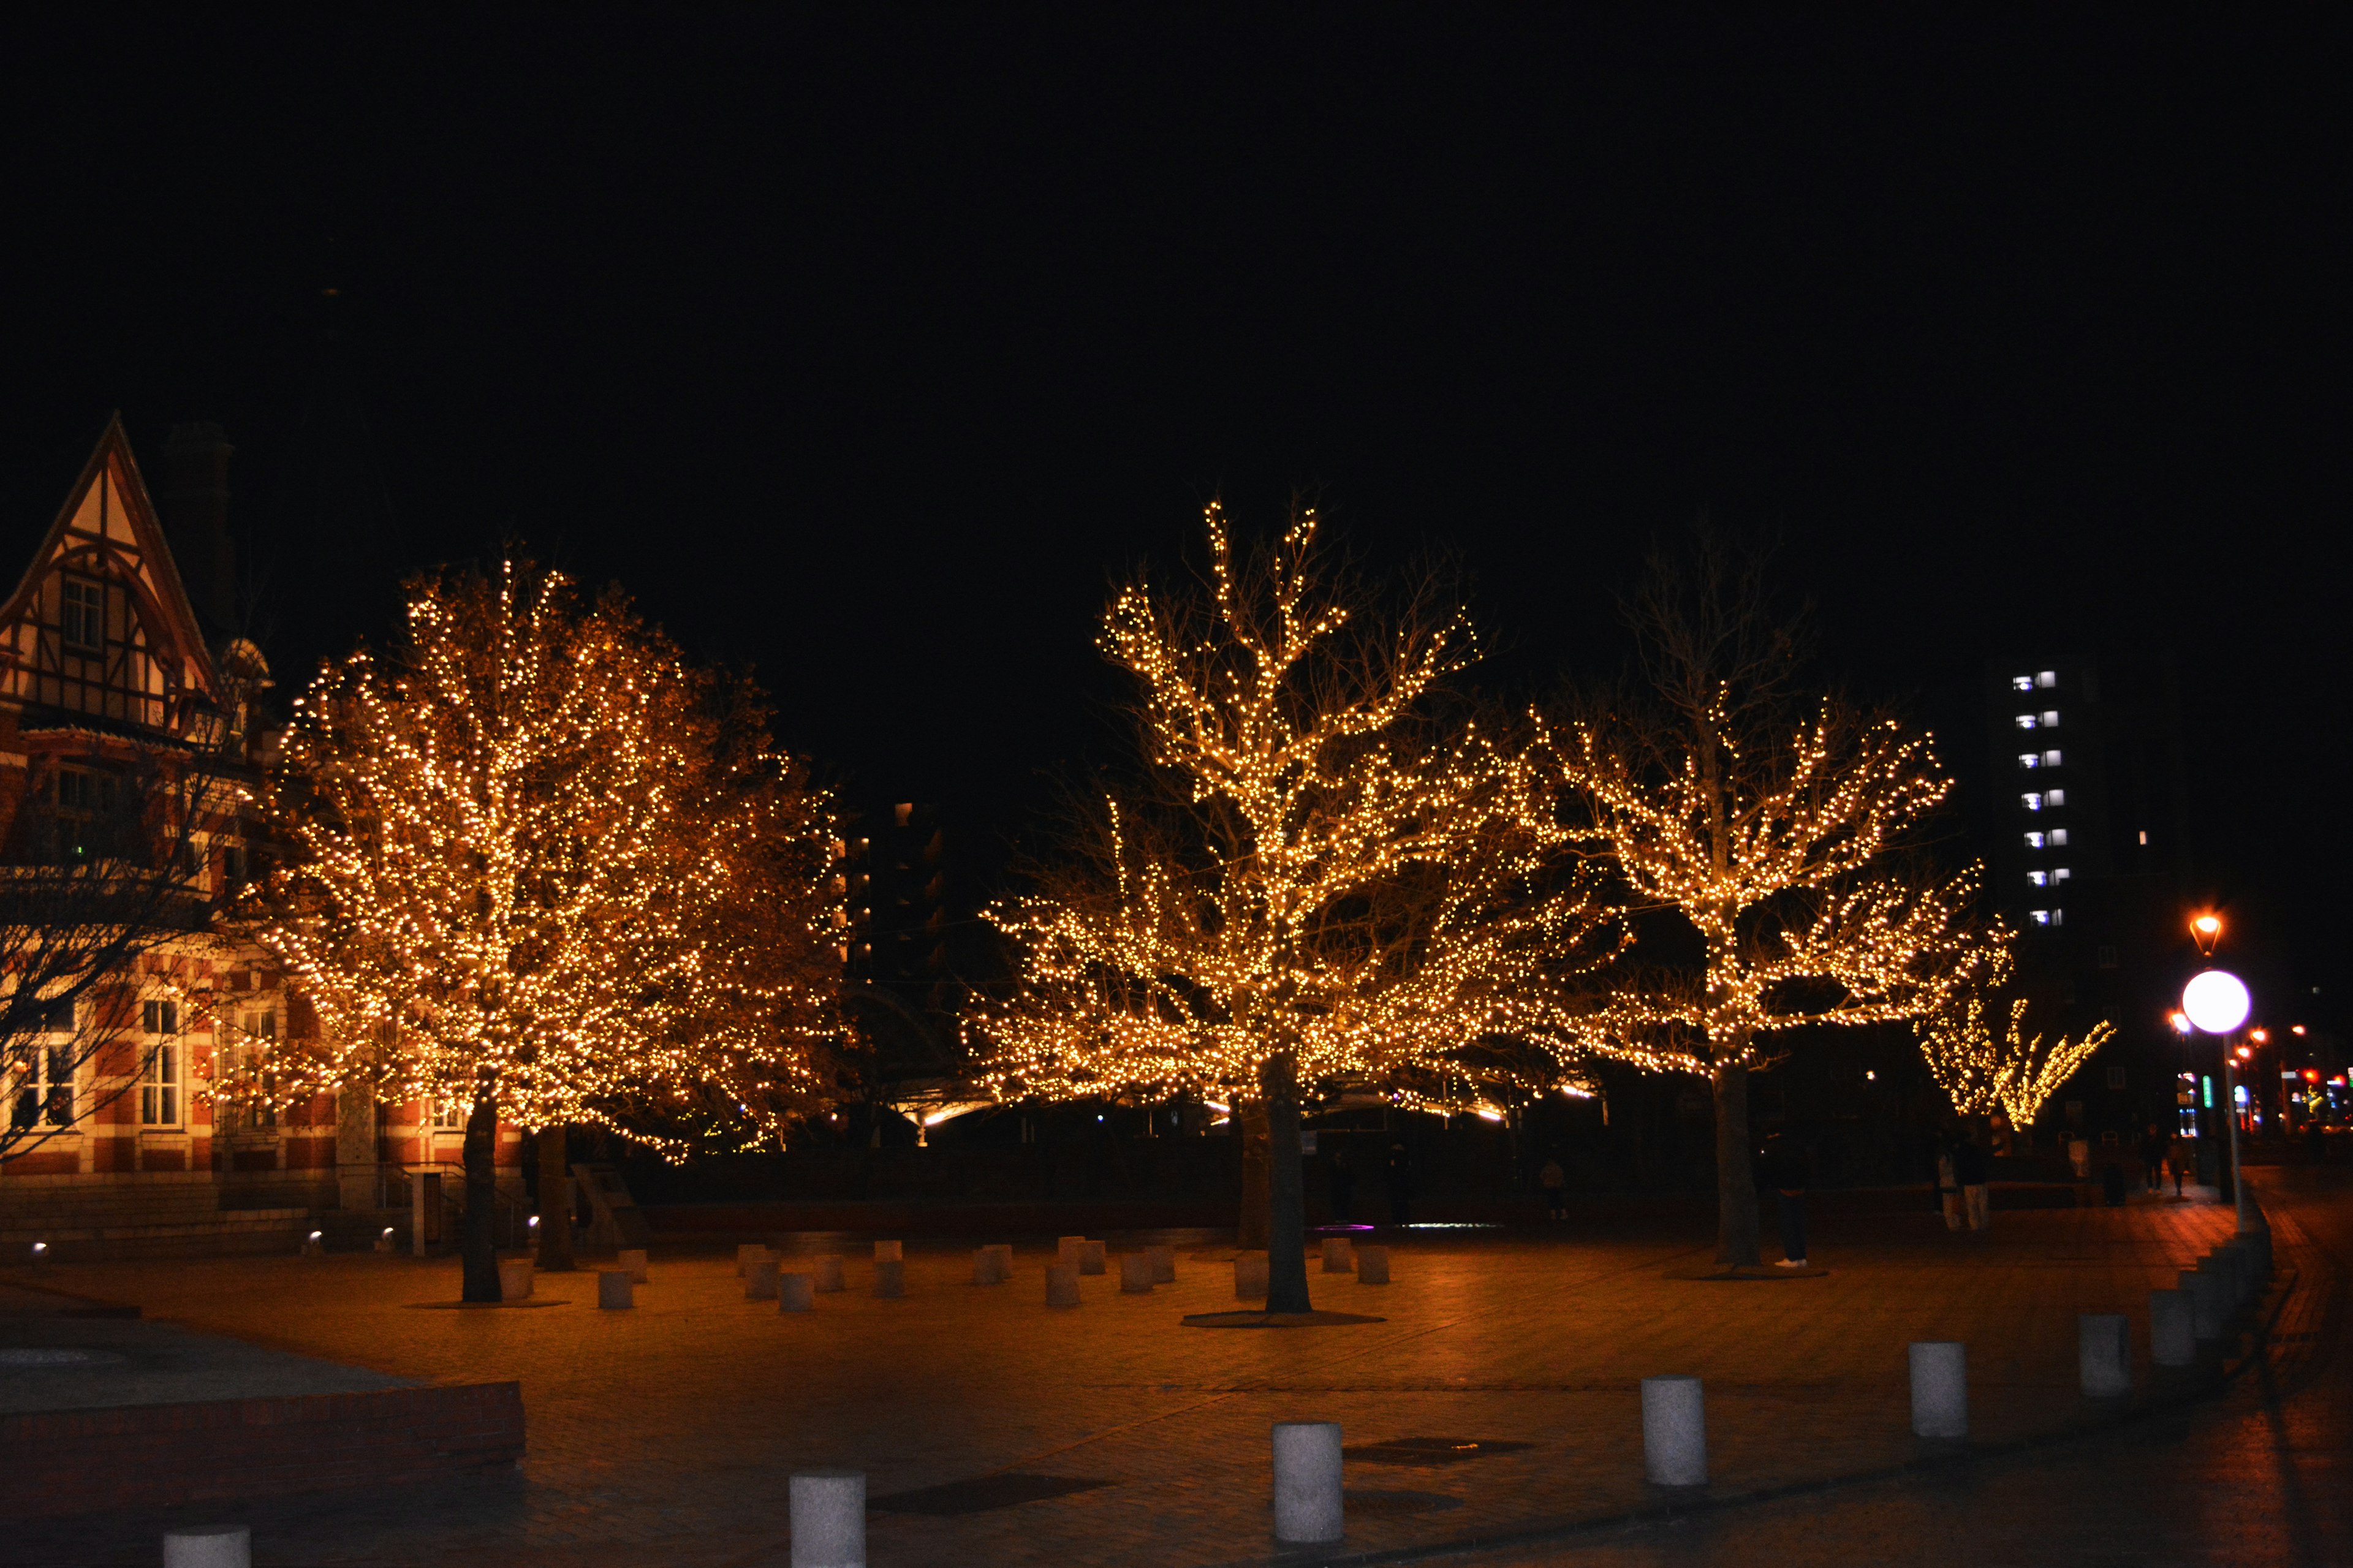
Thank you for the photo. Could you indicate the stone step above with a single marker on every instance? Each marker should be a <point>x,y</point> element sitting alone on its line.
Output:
<point>245,1231</point>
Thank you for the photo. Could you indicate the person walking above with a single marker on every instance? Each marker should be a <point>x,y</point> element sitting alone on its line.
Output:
<point>1789,1171</point>
<point>2152,1158</point>
<point>1948,1184</point>
<point>1969,1166</point>
<point>2180,1155</point>
<point>1555,1183</point>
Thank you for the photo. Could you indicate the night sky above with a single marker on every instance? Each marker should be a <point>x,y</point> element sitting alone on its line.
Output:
<point>869,357</point>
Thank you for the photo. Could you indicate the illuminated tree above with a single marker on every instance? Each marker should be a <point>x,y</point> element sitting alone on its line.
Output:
<point>544,869</point>
<point>1328,872</point>
<point>1767,841</point>
<point>2014,1071</point>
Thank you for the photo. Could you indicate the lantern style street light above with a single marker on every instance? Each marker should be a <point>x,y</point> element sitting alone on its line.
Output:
<point>2216,1001</point>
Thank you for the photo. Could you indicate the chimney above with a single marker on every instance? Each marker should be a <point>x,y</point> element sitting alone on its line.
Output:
<point>196,521</point>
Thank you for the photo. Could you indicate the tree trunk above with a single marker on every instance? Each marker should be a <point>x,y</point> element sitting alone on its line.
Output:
<point>1286,1219</point>
<point>555,1201</point>
<point>1735,1181</point>
<point>480,1236</point>
<point>1250,1234</point>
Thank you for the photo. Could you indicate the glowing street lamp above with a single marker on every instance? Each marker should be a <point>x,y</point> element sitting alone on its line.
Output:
<point>2206,930</point>
<point>2216,1001</point>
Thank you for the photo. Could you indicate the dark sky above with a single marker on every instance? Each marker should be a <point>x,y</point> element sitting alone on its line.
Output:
<point>868,355</point>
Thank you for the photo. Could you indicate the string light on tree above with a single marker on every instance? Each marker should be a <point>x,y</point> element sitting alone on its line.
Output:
<point>545,871</point>
<point>1327,875</point>
<point>1982,1070</point>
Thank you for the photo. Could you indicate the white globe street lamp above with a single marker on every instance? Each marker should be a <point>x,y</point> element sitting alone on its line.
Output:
<point>2216,1001</point>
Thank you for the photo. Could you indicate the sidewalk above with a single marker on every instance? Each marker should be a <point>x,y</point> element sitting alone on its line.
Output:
<point>676,1424</point>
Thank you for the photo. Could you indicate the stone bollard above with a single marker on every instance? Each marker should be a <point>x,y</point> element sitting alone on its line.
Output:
<point>2209,1314</point>
<point>2103,1354</point>
<point>209,1546</point>
<point>828,1272</point>
<point>1164,1264</point>
<point>760,1285</point>
<point>1940,1388</point>
<point>889,1252</point>
<point>1091,1257</point>
<point>1338,1255</point>
<point>2172,1335</point>
<point>890,1278</point>
<point>1306,1480</point>
<point>1674,1432</point>
<point>1371,1266</point>
<point>1067,1250</point>
<point>1003,1252</point>
<point>795,1292</point>
<point>1249,1277</point>
<point>613,1290</point>
<point>1134,1274</point>
<point>632,1259</point>
<point>514,1279</point>
<point>984,1266</point>
<point>827,1518</point>
<point>744,1254</point>
<point>1061,1284</point>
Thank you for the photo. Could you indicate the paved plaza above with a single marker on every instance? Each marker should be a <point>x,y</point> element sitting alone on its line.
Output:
<point>665,1434</point>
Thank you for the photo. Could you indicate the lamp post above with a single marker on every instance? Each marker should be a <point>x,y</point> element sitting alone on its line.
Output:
<point>2216,1001</point>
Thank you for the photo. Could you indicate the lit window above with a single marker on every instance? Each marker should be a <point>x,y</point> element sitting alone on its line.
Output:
<point>159,1077</point>
<point>2021,683</point>
<point>2047,678</point>
<point>82,621</point>
<point>2034,840</point>
<point>2058,838</point>
<point>2056,797</point>
<point>249,1105</point>
<point>2040,917</point>
<point>2050,718</point>
<point>448,1115</point>
<point>2058,916</point>
<point>2040,878</point>
<point>2060,875</point>
<point>2032,801</point>
<point>2029,759</point>
<point>2026,720</point>
<point>2051,759</point>
<point>2144,835</point>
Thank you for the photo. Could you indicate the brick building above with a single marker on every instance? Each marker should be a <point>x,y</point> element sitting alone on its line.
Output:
<point>118,647</point>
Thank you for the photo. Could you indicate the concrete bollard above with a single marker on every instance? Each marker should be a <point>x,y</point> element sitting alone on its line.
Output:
<point>760,1285</point>
<point>1249,1277</point>
<point>1061,1285</point>
<point>1307,1481</point>
<point>795,1292</point>
<point>1164,1264</point>
<point>632,1259</point>
<point>1338,1255</point>
<point>2209,1314</point>
<point>827,1518</point>
<point>2172,1335</point>
<point>613,1290</point>
<point>1371,1266</point>
<point>514,1279</point>
<point>889,1252</point>
<point>1091,1257</point>
<point>1134,1274</point>
<point>1940,1388</point>
<point>1003,1252</point>
<point>984,1266</point>
<point>209,1546</point>
<point>890,1278</point>
<point>828,1272</point>
<point>2103,1354</point>
<point>1067,1250</point>
<point>744,1254</point>
<point>1674,1432</point>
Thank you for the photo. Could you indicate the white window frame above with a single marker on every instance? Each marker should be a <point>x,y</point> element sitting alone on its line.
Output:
<point>255,1023</point>
<point>446,1116</point>
<point>163,1067</point>
<point>76,614</point>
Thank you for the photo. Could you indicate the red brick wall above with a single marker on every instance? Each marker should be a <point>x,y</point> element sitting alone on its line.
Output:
<point>80,1461</point>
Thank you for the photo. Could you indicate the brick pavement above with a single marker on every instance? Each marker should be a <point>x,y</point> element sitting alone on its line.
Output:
<point>665,1434</point>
